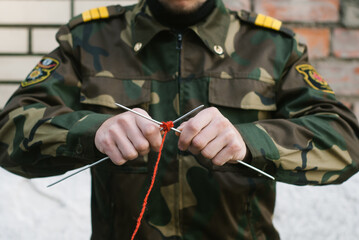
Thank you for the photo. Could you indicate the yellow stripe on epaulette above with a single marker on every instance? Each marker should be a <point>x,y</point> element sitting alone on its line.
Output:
<point>95,13</point>
<point>268,22</point>
<point>264,21</point>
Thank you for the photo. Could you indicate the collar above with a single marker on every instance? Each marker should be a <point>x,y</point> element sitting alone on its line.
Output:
<point>212,31</point>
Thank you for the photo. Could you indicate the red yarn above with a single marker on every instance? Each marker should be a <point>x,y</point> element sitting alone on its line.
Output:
<point>166,126</point>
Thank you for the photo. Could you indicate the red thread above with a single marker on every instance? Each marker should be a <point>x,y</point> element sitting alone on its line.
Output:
<point>166,126</point>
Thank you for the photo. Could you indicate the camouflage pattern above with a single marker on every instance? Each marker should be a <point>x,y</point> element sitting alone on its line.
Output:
<point>294,131</point>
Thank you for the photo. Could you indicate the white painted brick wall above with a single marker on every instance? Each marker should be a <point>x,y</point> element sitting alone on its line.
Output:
<point>237,5</point>
<point>43,40</point>
<point>28,210</point>
<point>14,40</point>
<point>13,69</point>
<point>34,12</point>
<point>6,91</point>
<point>16,68</point>
<point>83,5</point>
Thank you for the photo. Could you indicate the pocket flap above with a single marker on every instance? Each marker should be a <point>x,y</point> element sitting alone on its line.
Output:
<point>107,91</point>
<point>242,93</point>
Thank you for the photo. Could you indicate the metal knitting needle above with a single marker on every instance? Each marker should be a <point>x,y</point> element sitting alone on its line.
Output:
<point>81,170</point>
<point>105,158</point>
<point>183,116</point>
<point>256,169</point>
<point>141,115</point>
<point>190,112</point>
<point>159,123</point>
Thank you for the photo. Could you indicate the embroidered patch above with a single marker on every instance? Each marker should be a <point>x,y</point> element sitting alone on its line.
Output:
<point>313,78</point>
<point>41,72</point>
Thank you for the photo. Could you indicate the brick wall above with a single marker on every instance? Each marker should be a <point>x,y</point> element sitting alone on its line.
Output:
<point>329,27</point>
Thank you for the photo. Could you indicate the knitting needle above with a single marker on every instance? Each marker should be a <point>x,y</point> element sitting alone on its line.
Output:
<point>81,170</point>
<point>105,158</point>
<point>190,112</point>
<point>178,119</point>
<point>141,115</point>
<point>256,169</point>
<point>183,116</point>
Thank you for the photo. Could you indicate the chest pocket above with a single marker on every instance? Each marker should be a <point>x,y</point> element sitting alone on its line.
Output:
<point>243,100</point>
<point>99,94</point>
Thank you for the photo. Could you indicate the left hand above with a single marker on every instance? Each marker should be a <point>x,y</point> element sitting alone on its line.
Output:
<point>211,134</point>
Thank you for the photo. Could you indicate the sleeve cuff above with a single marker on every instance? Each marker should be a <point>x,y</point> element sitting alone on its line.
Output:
<point>262,149</point>
<point>80,139</point>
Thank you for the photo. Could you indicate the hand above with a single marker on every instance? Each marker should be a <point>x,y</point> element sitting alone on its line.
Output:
<point>212,135</point>
<point>126,136</point>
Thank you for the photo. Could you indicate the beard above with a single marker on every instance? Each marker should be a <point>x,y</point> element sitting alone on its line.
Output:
<point>179,7</point>
<point>180,14</point>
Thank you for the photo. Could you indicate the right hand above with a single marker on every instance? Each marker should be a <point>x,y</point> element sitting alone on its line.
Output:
<point>126,136</point>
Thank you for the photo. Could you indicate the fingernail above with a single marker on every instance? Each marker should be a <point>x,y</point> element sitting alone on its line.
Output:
<point>219,163</point>
<point>121,162</point>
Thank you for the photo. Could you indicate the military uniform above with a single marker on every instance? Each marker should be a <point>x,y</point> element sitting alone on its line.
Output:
<point>248,66</point>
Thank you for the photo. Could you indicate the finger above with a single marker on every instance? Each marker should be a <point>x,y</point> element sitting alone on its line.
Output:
<point>115,155</point>
<point>214,147</point>
<point>126,148</point>
<point>139,142</point>
<point>180,127</point>
<point>203,138</point>
<point>153,135</point>
<point>109,146</point>
<point>193,127</point>
<point>150,131</point>
<point>134,134</point>
<point>228,153</point>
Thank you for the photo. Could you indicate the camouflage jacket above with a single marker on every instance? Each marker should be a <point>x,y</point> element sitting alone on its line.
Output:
<point>248,66</point>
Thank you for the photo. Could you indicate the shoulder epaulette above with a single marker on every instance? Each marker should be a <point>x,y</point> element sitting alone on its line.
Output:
<point>264,21</point>
<point>96,14</point>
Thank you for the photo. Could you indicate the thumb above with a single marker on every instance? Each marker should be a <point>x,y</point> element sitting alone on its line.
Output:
<point>181,128</point>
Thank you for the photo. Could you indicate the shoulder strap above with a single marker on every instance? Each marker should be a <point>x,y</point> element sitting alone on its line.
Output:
<point>265,22</point>
<point>97,14</point>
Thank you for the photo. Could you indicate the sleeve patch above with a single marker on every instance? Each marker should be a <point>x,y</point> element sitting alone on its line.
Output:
<point>41,72</point>
<point>313,78</point>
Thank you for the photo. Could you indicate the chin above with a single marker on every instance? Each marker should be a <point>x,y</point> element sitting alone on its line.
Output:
<point>180,6</point>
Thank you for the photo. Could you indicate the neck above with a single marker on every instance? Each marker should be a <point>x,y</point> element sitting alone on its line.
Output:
<point>180,20</point>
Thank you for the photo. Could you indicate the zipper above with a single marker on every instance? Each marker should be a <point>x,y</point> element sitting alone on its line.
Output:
<point>179,193</point>
<point>179,49</point>
<point>249,219</point>
<point>179,43</point>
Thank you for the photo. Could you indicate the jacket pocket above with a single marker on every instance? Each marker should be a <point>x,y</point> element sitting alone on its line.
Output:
<point>249,94</point>
<point>106,91</point>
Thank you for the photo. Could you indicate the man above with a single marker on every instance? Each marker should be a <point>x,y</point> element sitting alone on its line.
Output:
<point>265,105</point>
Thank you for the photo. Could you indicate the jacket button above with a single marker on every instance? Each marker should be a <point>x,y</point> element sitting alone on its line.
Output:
<point>137,47</point>
<point>79,149</point>
<point>218,49</point>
